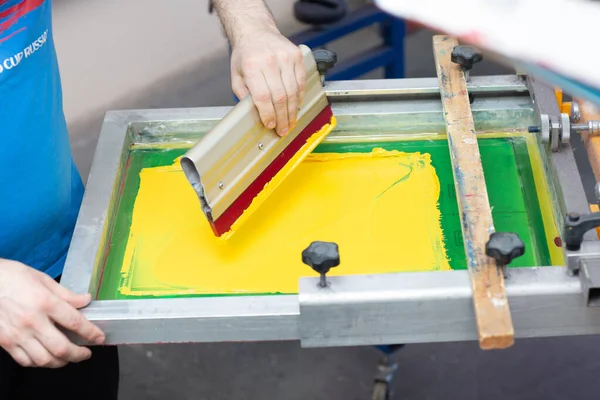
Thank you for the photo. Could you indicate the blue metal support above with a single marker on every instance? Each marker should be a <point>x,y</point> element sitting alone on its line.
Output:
<point>390,55</point>
<point>362,63</point>
<point>390,349</point>
<point>395,32</point>
<point>360,19</point>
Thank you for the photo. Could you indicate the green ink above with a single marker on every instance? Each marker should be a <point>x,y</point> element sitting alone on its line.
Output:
<point>405,177</point>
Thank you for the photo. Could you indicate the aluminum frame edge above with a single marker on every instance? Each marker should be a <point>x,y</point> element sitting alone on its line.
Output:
<point>358,310</point>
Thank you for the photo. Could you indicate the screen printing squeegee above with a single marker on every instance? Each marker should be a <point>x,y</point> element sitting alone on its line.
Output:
<point>240,162</point>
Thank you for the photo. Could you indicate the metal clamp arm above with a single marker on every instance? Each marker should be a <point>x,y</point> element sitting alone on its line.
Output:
<point>576,226</point>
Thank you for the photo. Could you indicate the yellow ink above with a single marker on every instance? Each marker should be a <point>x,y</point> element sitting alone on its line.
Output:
<point>274,183</point>
<point>380,207</point>
<point>546,208</point>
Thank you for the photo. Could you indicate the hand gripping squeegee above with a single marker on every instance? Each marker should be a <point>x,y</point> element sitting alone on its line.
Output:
<point>240,162</point>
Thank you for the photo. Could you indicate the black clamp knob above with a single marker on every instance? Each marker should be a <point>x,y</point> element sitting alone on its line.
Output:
<point>576,226</point>
<point>321,257</point>
<point>325,59</point>
<point>504,247</point>
<point>466,56</point>
<point>320,12</point>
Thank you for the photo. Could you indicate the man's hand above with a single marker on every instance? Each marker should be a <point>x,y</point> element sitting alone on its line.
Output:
<point>264,63</point>
<point>31,305</point>
<point>271,69</point>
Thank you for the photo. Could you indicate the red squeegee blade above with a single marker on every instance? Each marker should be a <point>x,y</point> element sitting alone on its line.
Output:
<point>224,222</point>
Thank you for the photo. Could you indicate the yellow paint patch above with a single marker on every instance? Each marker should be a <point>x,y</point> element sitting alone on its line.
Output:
<point>545,202</point>
<point>380,207</point>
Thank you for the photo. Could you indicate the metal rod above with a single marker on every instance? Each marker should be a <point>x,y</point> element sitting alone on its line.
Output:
<point>501,84</point>
<point>323,281</point>
<point>593,127</point>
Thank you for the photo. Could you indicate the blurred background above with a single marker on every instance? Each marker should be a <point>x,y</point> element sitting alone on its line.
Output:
<point>132,54</point>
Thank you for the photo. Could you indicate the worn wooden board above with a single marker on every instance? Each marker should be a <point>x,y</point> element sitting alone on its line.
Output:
<point>492,313</point>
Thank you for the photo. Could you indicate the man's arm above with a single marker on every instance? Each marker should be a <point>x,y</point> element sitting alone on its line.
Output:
<point>32,305</point>
<point>264,63</point>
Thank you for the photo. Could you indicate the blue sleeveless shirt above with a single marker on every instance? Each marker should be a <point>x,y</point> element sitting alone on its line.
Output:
<point>40,188</point>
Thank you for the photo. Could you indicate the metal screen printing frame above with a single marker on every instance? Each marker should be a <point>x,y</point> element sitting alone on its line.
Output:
<point>355,310</point>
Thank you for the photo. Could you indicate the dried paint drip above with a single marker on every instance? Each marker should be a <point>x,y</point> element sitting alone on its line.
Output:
<point>381,208</point>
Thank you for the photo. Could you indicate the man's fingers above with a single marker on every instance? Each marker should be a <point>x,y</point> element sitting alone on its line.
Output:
<point>40,356</point>
<point>261,96</point>
<point>74,299</point>
<point>300,72</point>
<point>279,98</point>
<point>59,346</point>
<point>290,83</point>
<point>239,87</point>
<point>71,319</point>
<point>20,356</point>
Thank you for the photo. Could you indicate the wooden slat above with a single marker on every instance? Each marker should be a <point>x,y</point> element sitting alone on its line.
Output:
<point>492,311</point>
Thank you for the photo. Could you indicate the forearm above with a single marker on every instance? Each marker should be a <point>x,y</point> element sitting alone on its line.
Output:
<point>264,63</point>
<point>242,18</point>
